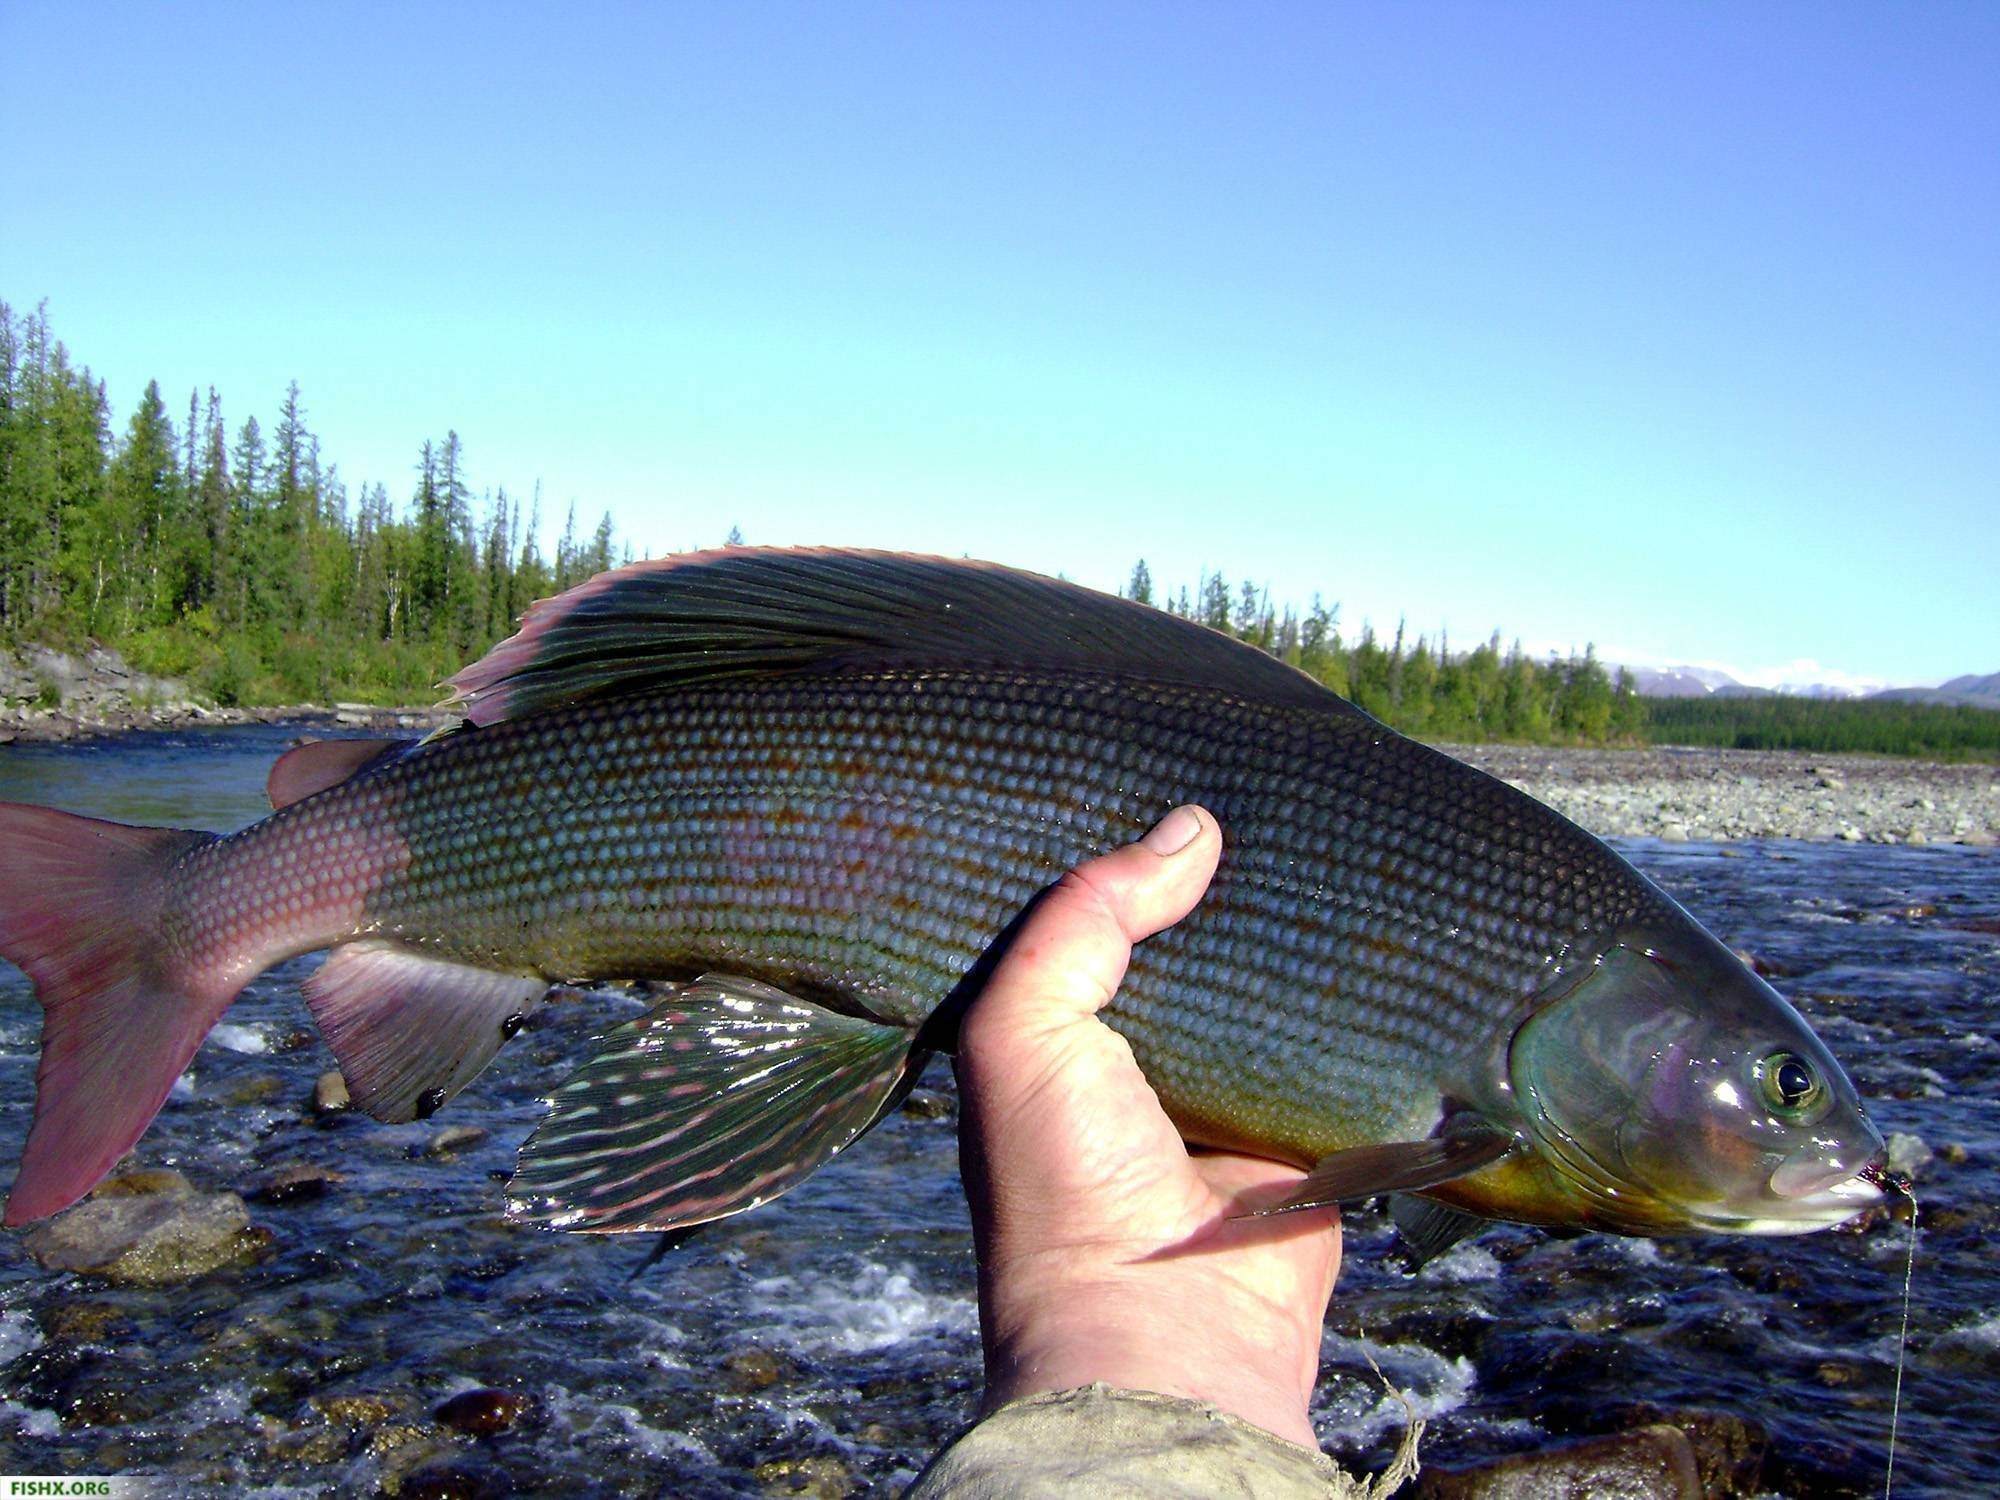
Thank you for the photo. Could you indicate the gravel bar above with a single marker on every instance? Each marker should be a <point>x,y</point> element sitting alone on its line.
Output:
<point>1719,795</point>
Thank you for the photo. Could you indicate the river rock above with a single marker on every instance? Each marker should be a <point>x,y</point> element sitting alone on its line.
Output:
<point>755,1369</point>
<point>447,1481</point>
<point>148,1239</point>
<point>453,1139</point>
<point>482,1412</point>
<point>1647,1463</point>
<point>817,1478</point>
<point>928,1104</point>
<point>330,1096</point>
<point>296,1182</point>
<point>355,1409</point>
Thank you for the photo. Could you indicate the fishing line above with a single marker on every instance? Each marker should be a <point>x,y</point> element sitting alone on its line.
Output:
<point>1902,1184</point>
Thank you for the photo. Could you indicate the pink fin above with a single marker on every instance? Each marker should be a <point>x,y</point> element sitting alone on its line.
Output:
<point>409,1030</point>
<point>319,764</point>
<point>80,905</point>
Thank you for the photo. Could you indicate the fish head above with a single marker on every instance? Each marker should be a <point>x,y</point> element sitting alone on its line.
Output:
<point>1670,1088</point>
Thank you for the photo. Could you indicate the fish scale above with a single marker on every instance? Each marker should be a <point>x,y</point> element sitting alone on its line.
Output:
<point>862,841</point>
<point>821,785</point>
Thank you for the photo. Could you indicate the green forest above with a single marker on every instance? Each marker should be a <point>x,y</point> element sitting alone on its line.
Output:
<point>239,561</point>
<point>1937,731</point>
<point>1417,686</point>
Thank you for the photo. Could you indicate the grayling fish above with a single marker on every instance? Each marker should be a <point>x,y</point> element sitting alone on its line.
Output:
<point>822,784</point>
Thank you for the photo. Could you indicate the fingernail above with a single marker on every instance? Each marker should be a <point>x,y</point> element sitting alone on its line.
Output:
<point>1174,832</point>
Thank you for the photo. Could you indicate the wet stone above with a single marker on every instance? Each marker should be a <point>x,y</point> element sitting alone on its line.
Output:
<point>929,1104</point>
<point>755,1369</point>
<point>330,1096</point>
<point>818,1478</point>
<point>453,1139</point>
<point>1729,1451</point>
<point>295,1182</point>
<point>354,1410</point>
<point>141,1181</point>
<point>150,1239</point>
<point>483,1412</point>
<point>82,1322</point>
<point>1649,1463</point>
<point>258,1088</point>
<point>454,1481</point>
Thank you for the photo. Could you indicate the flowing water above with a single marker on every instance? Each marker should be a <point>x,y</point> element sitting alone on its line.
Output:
<point>831,1337</point>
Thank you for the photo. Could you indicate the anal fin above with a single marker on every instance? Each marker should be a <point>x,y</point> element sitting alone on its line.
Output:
<point>411,1030</point>
<point>1398,1167</point>
<point>720,1099</point>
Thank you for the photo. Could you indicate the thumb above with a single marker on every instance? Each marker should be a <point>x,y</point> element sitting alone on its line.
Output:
<point>1069,956</point>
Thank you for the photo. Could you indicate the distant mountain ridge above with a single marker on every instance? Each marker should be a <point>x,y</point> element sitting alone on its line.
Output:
<point>1707,682</point>
<point>1979,692</point>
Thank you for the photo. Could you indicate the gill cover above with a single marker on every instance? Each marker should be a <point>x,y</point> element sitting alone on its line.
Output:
<point>1672,1088</point>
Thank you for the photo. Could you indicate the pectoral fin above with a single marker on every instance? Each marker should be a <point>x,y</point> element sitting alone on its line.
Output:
<point>727,1095</point>
<point>1399,1167</point>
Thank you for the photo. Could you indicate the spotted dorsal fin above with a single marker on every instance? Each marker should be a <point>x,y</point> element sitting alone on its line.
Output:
<point>751,612</point>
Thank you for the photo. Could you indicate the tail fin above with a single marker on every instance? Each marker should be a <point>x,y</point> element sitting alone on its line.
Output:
<point>80,909</point>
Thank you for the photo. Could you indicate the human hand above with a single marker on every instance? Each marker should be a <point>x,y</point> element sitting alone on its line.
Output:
<point>1107,1251</point>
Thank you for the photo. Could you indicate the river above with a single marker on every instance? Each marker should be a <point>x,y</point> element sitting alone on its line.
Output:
<point>831,1339</point>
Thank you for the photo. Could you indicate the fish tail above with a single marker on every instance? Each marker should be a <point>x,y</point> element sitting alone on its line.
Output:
<point>81,912</point>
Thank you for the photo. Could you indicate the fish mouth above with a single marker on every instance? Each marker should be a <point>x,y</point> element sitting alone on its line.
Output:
<point>1834,1203</point>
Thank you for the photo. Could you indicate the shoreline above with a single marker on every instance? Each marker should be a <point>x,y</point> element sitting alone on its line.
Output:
<point>1691,795</point>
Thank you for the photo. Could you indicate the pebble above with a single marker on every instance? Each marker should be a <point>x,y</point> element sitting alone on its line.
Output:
<point>354,1410</point>
<point>330,1096</point>
<point>754,1369</point>
<point>454,1138</point>
<point>296,1182</point>
<point>818,1477</point>
<point>1754,794</point>
<point>448,1482</point>
<point>928,1104</point>
<point>483,1412</point>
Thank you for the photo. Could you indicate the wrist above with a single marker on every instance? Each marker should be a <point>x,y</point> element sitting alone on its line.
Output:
<point>1081,1333</point>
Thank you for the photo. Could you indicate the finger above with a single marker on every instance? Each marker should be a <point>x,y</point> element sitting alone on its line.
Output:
<point>1070,954</point>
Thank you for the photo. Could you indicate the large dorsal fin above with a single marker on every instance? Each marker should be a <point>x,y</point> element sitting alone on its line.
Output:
<point>744,612</point>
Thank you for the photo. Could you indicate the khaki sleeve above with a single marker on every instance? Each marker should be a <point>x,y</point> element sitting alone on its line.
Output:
<point>1096,1443</point>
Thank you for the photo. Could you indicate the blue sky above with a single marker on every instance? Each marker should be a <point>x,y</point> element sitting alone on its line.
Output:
<point>1667,328</point>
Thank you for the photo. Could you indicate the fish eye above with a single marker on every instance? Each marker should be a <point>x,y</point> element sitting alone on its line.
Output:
<point>1788,1084</point>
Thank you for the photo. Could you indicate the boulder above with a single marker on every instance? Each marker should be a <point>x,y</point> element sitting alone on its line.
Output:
<point>155,1237</point>
<point>1648,1463</point>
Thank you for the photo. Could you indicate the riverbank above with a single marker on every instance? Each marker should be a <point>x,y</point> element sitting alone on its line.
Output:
<point>48,695</point>
<point>1721,795</point>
